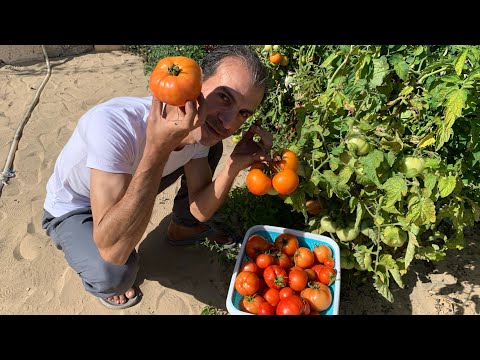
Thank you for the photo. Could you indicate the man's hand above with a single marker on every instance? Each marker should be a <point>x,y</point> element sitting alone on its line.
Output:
<point>247,151</point>
<point>169,125</point>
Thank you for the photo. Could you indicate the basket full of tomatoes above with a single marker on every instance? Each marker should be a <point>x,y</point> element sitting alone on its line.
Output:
<point>281,271</point>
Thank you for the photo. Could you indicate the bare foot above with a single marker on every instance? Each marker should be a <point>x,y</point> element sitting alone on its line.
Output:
<point>180,232</point>
<point>122,299</point>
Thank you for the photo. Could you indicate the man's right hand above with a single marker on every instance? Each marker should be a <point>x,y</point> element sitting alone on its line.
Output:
<point>168,127</point>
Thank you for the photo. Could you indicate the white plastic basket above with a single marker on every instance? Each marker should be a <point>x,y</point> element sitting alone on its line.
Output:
<point>305,239</point>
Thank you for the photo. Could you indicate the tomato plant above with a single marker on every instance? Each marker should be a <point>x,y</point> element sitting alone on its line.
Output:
<point>285,181</point>
<point>176,80</point>
<point>246,283</point>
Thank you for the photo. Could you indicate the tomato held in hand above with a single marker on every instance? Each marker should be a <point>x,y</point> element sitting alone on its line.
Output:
<point>285,181</point>
<point>288,160</point>
<point>176,80</point>
<point>258,183</point>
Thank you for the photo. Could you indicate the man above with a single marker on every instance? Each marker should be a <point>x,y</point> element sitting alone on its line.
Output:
<point>125,151</point>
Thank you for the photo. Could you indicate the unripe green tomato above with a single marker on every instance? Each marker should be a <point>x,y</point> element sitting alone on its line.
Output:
<point>412,166</point>
<point>348,233</point>
<point>275,48</point>
<point>361,146</point>
<point>328,224</point>
<point>394,236</point>
<point>268,48</point>
<point>347,260</point>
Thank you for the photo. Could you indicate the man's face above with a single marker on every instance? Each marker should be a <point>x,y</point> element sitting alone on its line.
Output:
<point>231,98</point>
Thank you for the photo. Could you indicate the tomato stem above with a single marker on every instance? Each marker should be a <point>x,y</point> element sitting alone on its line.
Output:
<point>174,70</point>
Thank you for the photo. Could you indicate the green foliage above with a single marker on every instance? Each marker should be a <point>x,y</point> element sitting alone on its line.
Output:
<point>242,210</point>
<point>405,101</point>
<point>151,54</point>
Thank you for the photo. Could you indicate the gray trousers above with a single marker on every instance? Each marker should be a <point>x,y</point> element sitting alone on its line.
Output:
<point>73,234</point>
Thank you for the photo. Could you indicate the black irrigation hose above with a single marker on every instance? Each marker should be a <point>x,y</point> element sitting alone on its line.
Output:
<point>8,172</point>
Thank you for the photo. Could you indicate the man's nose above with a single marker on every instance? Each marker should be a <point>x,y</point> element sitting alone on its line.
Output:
<point>228,119</point>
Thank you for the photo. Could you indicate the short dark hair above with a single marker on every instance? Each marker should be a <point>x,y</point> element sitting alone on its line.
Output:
<point>245,53</point>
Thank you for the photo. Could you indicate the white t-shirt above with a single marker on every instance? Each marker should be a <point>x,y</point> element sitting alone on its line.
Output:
<point>108,137</point>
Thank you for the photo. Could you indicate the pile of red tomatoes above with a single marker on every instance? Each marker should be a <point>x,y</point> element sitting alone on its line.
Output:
<point>284,278</point>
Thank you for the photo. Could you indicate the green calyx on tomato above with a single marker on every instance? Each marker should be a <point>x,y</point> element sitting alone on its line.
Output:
<point>348,233</point>
<point>411,166</point>
<point>328,224</point>
<point>358,145</point>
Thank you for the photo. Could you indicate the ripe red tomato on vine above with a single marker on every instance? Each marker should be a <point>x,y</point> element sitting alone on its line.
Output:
<point>176,80</point>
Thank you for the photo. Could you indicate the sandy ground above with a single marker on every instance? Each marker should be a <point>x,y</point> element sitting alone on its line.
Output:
<point>35,278</point>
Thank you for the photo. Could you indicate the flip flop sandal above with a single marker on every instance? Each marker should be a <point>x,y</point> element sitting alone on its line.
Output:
<point>112,305</point>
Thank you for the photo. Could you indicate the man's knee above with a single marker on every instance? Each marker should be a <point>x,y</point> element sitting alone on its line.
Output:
<point>107,279</point>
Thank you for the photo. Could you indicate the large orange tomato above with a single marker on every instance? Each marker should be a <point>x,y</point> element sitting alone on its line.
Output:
<point>285,181</point>
<point>289,160</point>
<point>176,80</point>
<point>317,295</point>
<point>258,182</point>
<point>247,283</point>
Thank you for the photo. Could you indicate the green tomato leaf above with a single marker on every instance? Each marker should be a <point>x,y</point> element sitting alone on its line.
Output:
<point>410,253</point>
<point>446,185</point>
<point>395,189</point>
<point>382,287</point>
<point>380,70</point>
<point>460,62</point>
<point>430,180</point>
